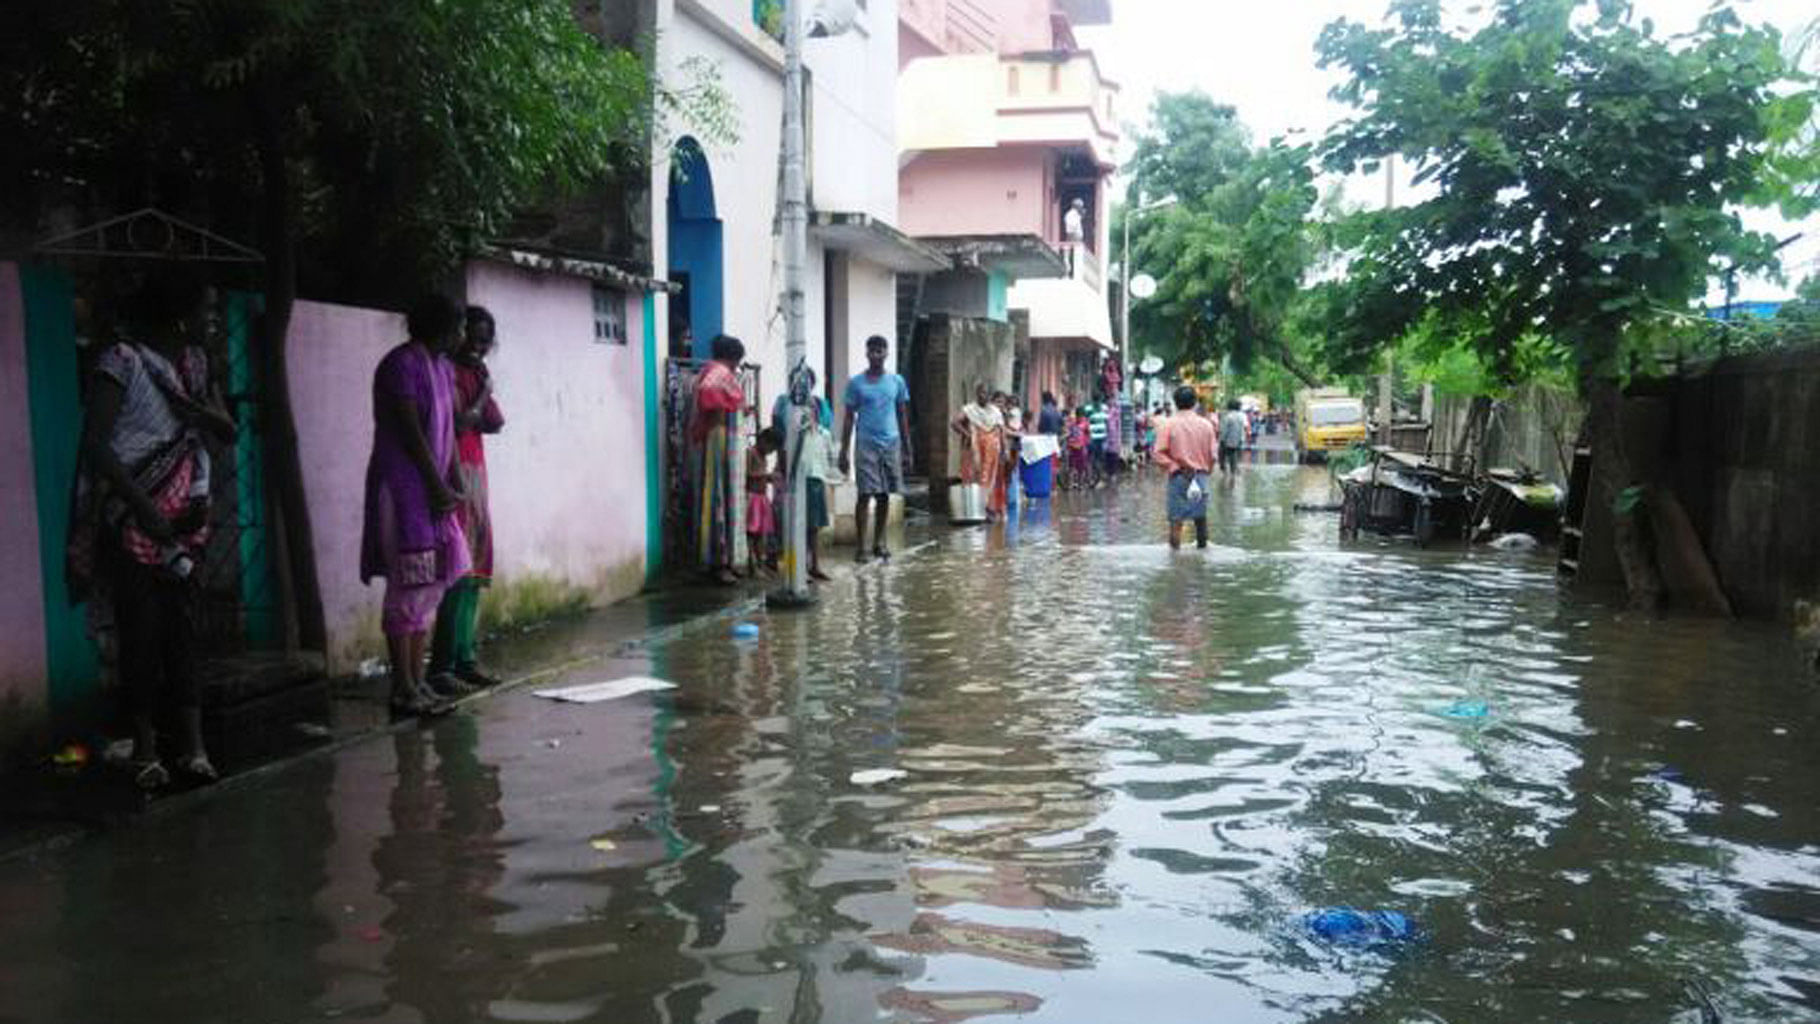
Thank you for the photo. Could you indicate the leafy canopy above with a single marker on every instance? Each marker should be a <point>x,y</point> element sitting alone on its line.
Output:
<point>410,129</point>
<point>1584,172</point>
<point>1230,240</point>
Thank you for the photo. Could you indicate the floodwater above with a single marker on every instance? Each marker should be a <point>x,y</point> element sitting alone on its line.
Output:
<point>1127,776</point>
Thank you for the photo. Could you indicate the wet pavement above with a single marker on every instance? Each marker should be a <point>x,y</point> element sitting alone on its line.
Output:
<point>1127,775</point>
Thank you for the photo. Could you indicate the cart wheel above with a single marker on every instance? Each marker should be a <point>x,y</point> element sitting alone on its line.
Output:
<point>1425,524</point>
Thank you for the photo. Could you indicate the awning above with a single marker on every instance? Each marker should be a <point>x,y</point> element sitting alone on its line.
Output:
<point>1017,256</point>
<point>875,242</point>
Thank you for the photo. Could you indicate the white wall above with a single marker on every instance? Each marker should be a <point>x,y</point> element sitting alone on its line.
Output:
<point>854,99</point>
<point>745,179</point>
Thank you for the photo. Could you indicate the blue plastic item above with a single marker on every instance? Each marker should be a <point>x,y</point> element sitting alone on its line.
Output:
<point>1467,709</point>
<point>1038,477</point>
<point>1345,926</point>
<point>745,630</point>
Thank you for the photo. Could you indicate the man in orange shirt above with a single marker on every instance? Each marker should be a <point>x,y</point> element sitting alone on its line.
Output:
<point>1186,448</point>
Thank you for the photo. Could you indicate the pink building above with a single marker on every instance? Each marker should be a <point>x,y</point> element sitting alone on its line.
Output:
<point>1005,126</point>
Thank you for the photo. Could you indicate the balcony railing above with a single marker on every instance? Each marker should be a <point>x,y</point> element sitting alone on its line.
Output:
<point>1084,265</point>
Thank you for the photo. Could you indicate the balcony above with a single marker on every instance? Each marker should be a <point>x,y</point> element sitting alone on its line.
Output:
<point>1068,307</point>
<point>983,100</point>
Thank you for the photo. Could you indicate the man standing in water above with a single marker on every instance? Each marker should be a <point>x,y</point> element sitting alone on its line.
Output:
<point>878,402</point>
<point>1232,438</point>
<point>1184,448</point>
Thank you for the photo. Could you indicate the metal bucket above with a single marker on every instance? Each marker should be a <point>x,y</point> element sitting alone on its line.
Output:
<point>966,504</point>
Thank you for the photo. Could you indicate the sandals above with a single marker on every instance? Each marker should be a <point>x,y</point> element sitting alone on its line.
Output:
<point>149,775</point>
<point>199,766</point>
<point>881,552</point>
<point>417,705</point>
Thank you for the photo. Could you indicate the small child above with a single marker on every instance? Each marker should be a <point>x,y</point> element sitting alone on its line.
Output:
<point>1078,469</point>
<point>761,518</point>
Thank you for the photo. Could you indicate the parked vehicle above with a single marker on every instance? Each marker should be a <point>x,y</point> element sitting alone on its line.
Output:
<point>1327,420</point>
<point>1401,494</point>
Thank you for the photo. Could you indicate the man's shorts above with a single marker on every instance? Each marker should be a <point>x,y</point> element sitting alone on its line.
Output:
<point>879,468</point>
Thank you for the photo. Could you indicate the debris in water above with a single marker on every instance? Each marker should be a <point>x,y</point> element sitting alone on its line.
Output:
<point>1345,926</point>
<point>1514,542</point>
<point>745,630</point>
<point>603,844</point>
<point>1467,709</point>
<point>612,689</point>
<point>874,776</point>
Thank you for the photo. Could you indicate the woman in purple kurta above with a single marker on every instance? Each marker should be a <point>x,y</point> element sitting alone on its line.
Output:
<point>412,535</point>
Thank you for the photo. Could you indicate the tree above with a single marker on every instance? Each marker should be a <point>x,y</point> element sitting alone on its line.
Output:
<point>372,144</point>
<point>1586,175</point>
<point>1235,245</point>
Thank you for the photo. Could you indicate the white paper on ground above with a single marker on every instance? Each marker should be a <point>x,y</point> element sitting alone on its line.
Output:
<point>874,776</point>
<point>612,689</point>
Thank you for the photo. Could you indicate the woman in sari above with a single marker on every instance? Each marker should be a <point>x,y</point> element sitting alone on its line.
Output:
<point>981,427</point>
<point>716,404</point>
<point>412,534</point>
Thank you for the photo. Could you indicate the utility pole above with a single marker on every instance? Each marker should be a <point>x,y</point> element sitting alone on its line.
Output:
<point>794,590</point>
<point>1132,197</point>
<point>1386,380</point>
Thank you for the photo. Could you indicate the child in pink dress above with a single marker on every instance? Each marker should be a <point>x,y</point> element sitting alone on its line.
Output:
<point>761,517</point>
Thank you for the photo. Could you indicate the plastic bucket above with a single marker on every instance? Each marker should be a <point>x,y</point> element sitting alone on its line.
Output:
<point>1038,477</point>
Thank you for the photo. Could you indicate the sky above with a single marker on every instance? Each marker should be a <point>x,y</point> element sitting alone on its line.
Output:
<point>1260,58</point>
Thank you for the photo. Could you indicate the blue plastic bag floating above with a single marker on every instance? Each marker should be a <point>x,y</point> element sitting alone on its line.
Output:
<point>1467,709</point>
<point>745,630</point>
<point>1345,926</point>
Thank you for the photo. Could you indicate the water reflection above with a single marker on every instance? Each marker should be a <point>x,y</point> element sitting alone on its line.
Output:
<point>1127,774</point>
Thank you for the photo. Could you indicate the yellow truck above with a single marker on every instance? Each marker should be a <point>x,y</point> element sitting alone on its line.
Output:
<point>1327,420</point>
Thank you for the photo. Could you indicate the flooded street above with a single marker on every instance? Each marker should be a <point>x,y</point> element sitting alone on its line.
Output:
<point>1128,776</point>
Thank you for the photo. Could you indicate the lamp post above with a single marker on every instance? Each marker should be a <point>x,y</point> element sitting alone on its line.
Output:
<point>1132,210</point>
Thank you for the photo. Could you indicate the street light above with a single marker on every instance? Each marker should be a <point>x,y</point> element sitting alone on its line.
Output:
<point>1125,277</point>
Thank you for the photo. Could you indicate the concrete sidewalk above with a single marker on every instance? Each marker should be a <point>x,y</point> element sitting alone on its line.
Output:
<point>47,808</point>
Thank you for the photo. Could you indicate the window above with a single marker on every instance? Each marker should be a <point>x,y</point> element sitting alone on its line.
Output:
<point>609,316</point>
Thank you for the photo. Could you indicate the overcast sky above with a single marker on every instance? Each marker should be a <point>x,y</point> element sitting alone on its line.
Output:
<point>1260,58</point>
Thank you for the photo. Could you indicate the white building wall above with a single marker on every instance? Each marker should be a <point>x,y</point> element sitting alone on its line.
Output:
<point>853,154</point>
<point>854,99</point>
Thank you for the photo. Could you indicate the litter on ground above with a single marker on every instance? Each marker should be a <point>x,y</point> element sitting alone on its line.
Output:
<point>612,689</point>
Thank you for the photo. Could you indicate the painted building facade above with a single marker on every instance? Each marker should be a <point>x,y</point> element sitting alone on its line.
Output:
<point>715,234</point>
<point>1005,123</point>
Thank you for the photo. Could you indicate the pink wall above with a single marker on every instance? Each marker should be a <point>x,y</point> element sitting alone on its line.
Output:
<point>333,350</point>
<point>567,476</point>
<point>1003,191</point>
<point>22,665</point>
<point>963,26</point>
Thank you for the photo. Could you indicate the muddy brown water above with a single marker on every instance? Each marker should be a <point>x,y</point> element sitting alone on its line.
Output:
<point>1128,774</point>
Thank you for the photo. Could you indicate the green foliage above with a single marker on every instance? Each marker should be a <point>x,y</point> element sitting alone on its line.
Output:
<point>1231,252</point>
<point>409,130</point>
<point>1586,171</point>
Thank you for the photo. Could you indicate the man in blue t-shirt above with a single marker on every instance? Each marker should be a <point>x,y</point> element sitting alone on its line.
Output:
<point>877,402</point>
